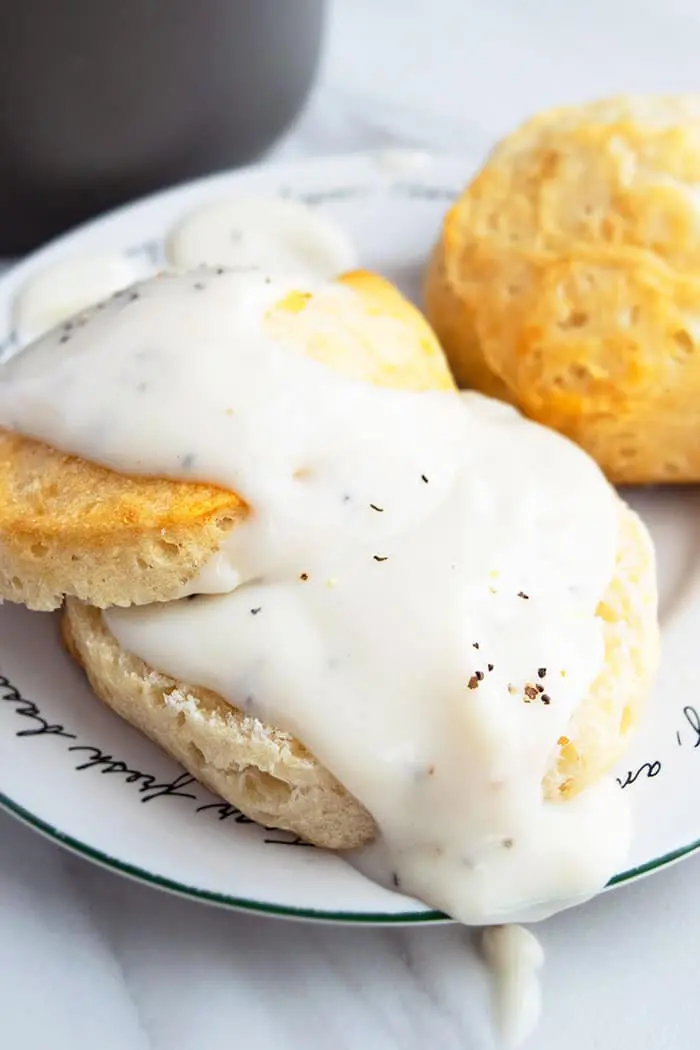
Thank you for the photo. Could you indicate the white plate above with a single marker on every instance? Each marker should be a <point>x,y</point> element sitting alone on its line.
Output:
<point>74,771</point>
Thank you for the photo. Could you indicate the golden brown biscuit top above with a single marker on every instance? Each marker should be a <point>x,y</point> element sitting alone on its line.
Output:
<point>576,257</point>
<point>70,526</point>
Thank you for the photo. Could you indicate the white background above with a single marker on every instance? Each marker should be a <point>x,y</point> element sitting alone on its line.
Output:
<point>91,961</point>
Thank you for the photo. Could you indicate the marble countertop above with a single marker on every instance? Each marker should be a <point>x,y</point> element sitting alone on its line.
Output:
<point>91,960</point>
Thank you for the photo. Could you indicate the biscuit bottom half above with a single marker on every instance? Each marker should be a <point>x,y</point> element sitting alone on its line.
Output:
<point>272,778</point>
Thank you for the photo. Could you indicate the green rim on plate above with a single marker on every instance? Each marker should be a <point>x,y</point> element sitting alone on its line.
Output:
<point>263,908</point>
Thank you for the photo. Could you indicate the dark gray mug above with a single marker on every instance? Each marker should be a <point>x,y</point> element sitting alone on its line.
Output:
<point>104,100</point>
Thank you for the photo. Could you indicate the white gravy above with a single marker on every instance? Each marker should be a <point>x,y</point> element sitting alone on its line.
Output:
<point>514,957</point>
<point>61,290</point>
<point>262,232</point>
<point>413,594</point>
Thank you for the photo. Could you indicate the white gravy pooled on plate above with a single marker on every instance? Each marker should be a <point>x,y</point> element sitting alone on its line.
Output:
<point>263,232</point>
<point>61,290</point>
<point>413,593</point>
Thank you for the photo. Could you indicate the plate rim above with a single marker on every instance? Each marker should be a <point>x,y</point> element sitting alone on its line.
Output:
<point>20,267</point>
<point>428,157</point>
<point>281,911</point>
<point>223,900</point>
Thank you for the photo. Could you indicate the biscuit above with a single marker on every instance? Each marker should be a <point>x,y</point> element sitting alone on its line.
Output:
<point>68,526</point>
<point>566,281</point>
<point>273,779</point>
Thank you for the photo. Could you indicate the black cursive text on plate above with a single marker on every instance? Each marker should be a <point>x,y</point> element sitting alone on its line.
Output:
<point>422,191</point>
<point>147,785</point>
<point>28,709</point>
<point>693,719</point>
<point>649,770</point>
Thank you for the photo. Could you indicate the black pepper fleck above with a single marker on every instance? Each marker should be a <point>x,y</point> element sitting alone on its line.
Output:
<point>541,672</point>
<point>490,667</point>
<point>133,296</point>
<point>375,507</point>
<point>521,594</point>
<point>540,688</point>
<point>480,675</point>
<point>304,576</point>
<point>423,478</point>
<point>395,879</point>
<point>220,270</point>
<point>380,557</point>
<point>64,338</point>
<point>475,645</point>
<point>346,498</point>
<point>546,699</point>
<point>254,612</point>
